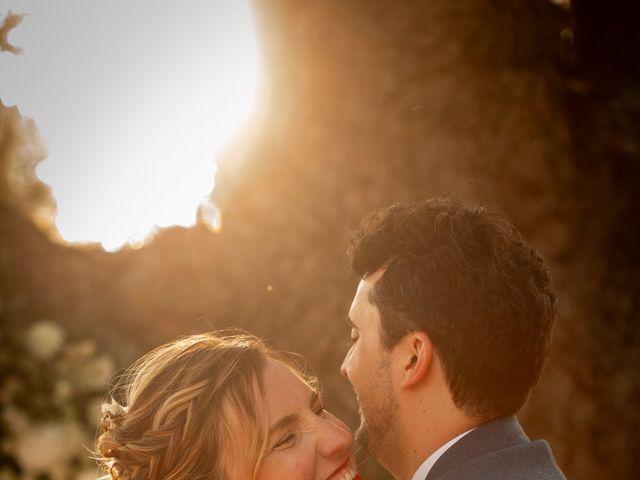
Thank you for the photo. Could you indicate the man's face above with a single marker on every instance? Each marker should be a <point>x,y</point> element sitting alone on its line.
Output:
<point>367,365</point>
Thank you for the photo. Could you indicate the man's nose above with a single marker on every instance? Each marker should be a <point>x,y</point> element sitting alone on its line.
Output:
<point>345,362</point>
<point>343,367</point>
<point>334,438</point>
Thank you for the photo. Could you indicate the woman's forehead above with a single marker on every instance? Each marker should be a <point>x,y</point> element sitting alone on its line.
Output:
<point>283,385</point>
<point>278,373</point>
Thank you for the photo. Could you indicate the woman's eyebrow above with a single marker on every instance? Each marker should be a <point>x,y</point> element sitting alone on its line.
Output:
<point>314,399</point>
<point>294,417</point>
<point>283,422</point>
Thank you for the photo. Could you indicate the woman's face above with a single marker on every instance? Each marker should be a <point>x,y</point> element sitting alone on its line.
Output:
<point>305,441</point>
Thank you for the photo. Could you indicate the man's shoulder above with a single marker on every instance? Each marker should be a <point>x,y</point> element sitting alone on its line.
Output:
<point>531,461</point>
<point>497,450</point>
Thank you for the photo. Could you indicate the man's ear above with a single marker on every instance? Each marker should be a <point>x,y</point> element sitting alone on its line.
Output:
<point>417,355</point>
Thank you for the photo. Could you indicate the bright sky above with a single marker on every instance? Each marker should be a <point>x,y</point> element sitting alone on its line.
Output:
<point>134,99</point>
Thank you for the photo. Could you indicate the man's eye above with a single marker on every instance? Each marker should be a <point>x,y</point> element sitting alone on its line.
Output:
<point>285,441</point>
<point>354,335</point>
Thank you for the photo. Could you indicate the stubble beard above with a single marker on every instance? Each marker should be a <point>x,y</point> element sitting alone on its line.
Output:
<point>377,432</point>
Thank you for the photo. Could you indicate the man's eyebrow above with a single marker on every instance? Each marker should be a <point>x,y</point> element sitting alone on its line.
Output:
<point>294,417</point>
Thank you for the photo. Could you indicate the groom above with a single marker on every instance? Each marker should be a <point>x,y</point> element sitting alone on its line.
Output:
<point>451,324</point>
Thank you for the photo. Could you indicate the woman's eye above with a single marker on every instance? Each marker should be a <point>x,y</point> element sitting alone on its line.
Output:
<point>285,441</point>
<point>320,410</point>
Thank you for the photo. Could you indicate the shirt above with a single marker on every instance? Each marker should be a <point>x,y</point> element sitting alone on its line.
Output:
<point>425,468</point>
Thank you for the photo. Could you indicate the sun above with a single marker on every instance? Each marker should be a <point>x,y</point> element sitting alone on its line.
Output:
<point>134,105</point>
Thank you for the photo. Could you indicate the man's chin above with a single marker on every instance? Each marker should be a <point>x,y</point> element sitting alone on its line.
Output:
<point>362,436</point>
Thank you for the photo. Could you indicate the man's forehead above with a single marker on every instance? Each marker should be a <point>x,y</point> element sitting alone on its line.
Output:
<point>365,286</point>
<point>371,278</point>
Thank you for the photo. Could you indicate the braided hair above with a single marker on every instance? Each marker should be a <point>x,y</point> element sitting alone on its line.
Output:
<point>174,412</point>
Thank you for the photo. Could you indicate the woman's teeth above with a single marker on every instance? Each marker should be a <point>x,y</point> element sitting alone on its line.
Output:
<point>350,474</point>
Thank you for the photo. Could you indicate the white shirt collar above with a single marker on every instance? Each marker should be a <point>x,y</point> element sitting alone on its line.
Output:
<point>427,465</point>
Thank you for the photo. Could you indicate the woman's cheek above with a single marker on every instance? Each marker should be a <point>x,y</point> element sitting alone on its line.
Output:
<point>300,467</point>
<point>287,465</point>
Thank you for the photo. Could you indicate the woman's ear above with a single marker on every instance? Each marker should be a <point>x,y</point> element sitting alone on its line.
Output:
<point>417,357</point>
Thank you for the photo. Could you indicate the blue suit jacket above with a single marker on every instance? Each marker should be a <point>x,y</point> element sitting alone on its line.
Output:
<point>497,450</point>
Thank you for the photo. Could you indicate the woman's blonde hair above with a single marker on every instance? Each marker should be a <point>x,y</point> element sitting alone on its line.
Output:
<point>176,410</point>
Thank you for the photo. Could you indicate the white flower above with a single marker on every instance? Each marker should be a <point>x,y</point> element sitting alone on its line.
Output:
<point>46,446</point>
<point>114,408</point>
<point>44,339</point>
<point>95,373</point>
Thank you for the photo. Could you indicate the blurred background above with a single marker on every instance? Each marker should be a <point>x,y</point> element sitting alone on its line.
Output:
<point>166,170</point>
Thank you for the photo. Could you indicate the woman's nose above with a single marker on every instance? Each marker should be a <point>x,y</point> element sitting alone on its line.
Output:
<point>334,437</point>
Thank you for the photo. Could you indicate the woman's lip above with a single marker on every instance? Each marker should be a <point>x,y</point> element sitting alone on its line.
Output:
<point>342,466</point>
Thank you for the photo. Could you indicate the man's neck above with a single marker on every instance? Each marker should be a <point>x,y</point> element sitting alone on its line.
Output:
<point>422,439</point>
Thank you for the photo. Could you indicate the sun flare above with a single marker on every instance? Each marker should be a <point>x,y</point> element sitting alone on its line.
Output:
<point>134,110</point>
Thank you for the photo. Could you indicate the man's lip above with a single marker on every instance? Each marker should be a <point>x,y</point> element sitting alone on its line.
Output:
<point>342,466</point>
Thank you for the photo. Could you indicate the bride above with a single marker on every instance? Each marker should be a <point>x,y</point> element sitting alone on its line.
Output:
<point>214,406</point>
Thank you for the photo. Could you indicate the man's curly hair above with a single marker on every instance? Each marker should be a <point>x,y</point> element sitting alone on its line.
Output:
<point>467,279</point>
